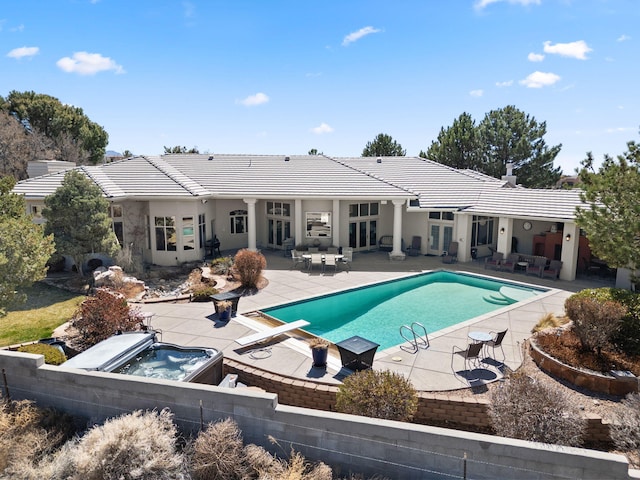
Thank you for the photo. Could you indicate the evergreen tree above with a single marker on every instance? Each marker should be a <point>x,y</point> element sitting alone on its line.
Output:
<point>611,215</point>
<point>458,146</point>
<point>78,216</point>
<point>24,249</point>
<point>383,146</point>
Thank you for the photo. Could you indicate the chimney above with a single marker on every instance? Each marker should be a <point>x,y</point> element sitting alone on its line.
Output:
<point>509,177</point>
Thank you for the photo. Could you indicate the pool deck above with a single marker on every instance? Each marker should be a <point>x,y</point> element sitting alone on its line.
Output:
<point>430,369</point>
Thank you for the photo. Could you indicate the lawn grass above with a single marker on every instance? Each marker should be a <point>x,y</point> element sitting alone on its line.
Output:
<point>47,308</point>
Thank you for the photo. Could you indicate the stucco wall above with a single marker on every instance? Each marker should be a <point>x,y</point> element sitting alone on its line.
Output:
<point>348,443</point>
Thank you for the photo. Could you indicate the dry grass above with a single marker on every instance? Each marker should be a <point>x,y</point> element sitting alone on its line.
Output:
<point>46,309</point>
<point>550,321</point>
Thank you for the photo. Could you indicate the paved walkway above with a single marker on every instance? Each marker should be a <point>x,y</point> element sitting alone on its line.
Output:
<point>431,369</point>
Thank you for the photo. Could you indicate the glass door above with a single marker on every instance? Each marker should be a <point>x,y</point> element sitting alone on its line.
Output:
<point>440,236</point>
<point>363,235</point>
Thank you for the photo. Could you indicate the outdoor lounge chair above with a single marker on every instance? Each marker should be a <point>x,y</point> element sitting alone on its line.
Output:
<point>509,265</point>
<point>496,342</point>
<point>553,270</point>
<point>471,355</point>
<point>347,257</point>
<point>270,333</point>
<point>297,258</point>
<point>538,267</point>
<point>452,253</point>
<point>414,248</point>
<point>493,261</point>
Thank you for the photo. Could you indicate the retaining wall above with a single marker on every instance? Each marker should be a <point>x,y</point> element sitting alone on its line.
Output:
<point>347,443</point>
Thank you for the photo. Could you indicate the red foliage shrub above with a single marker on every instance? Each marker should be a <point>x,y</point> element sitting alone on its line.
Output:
<point>102,315</point>
<point>249,265</point>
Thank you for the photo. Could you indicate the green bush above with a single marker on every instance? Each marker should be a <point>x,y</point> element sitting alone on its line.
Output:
<point>627,338</point>
<point>526,409</point>
<point>221,265</point>
<point>249,265</point>
<point>202,293</point>
<point>378,394</point>
<point>52,355</point>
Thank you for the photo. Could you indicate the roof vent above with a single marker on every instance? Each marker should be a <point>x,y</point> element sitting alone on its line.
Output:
<point>379,160</point>
<point>210,157</point>
<point>286,159</point>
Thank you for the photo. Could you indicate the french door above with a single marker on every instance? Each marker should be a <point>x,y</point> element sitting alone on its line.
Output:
<point>363,234</point>
<point>440,236</point>
<point>279,230</point>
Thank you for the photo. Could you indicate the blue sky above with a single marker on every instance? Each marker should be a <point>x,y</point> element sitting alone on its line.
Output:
<point>283,77</point>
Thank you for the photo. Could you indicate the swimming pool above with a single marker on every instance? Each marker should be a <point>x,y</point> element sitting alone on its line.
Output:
<point>437,300</point>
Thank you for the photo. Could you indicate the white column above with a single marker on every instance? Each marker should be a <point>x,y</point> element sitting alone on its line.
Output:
<point>397,229</point>
<point>462,231</point>
<point>569,256</point>
<point>505,235</point>
<point>335,224</point>
<point>297,221</point>
<point>251,220</point>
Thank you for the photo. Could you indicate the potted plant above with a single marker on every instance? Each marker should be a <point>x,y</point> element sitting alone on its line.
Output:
<point>319,351</point>
<point>224,309</point>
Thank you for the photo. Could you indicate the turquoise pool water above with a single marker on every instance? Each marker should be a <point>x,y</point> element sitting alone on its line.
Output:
<point>376,312</point>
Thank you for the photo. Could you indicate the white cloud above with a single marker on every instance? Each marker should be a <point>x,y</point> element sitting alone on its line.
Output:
<point>189,9</point>
<point>355,36</point>
<point>476,93</point>
<point>624,38</point>
<point>540,79</point>
<point>253,100</point>
<point>535,57</point>
<point>23,52</point>
<point>480,4</point>
<point>508,83</point>
<point>84,63</point>
<point>322,128</point>
<point>620,129</point>
<point>577,49</point>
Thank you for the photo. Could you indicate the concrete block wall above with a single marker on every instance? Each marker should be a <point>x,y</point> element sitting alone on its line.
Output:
<point>347,443</point>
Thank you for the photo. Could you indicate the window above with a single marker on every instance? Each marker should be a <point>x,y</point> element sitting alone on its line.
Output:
<point>238,222</point>
<point>278,209</point>
<point>36,211</point>
<point>202,230</point>
<point>165,234</point>
<point>364,209</point>
<point>115,212</point>
<point>188,234</point>
<point>481,231</point>
<point>441,216</point>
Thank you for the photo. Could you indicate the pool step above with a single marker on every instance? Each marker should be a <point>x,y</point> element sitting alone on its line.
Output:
<point>502,300</point>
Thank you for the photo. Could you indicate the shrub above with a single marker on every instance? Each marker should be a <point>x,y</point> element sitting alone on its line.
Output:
<point>221,265</point>
<point>249,265</point>
<point>52,355</point>
<point>103,315</point>
<point>379,394</point>
<point>217,452</point>
<point>27,435</point>
<point>528,410</point>
<point>140,445</point>
<point>625,430</point>
<point>594,321</point>
<point>627,338</point>
<point>202,293</point>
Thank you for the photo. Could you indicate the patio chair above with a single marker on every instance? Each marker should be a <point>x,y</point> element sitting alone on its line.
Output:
<point>509,265</point>
<point>330,261</point>
<point>471,355</point>
<point>553,270</point>
<point>452,253</point>
<point>314,249</point>
<point>297,259</point>
<point>333,250</point>
<point>496,342</point>
<point>347,257</point>
<point>538,266</point>
<point>493,261</point>
<point>316,259</point>
<point>414,248</point>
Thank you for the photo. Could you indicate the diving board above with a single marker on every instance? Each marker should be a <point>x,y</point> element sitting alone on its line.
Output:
<point>271,332</point>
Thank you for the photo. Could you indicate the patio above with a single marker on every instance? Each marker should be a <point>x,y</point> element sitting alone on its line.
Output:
<point>429,369</point>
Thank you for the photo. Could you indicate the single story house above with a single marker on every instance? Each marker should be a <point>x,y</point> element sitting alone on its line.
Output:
<point>168,208</point>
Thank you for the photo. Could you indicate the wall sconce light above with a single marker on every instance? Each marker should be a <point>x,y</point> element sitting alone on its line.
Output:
<point>568,237</point>
<point>502,231</point>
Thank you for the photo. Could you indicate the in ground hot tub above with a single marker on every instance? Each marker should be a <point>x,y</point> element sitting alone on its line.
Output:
<point>139,354</point>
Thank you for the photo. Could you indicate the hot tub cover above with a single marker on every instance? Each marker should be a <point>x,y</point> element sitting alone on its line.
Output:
<point>110,350</point>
